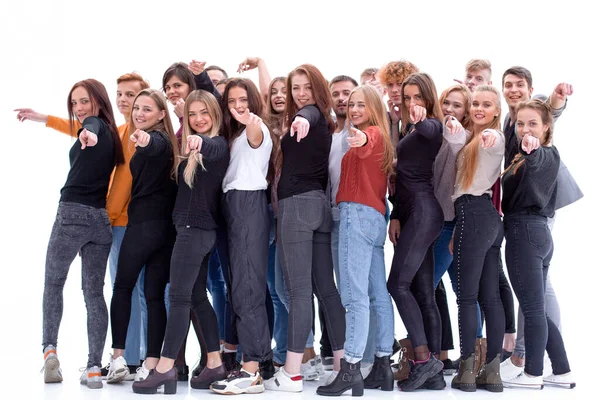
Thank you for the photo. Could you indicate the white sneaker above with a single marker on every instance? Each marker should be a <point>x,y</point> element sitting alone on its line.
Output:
<point>331,377</point>
<point>365,369</point>
<point>524,381</point>
<point>308,370</point>
<point>51,368</point>
<point>91,377</point>
<point>238,382</point>
<point>563,380</point>
<point>283,382</point>
<point>141,373</point>
<point>319,367</point>
<point>117,370</point>
<point>509,371</point>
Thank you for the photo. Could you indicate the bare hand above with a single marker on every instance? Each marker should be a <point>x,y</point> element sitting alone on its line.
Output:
<point>458,81</point>
<point>395,113</point>
<point>488,139</point>
<point>248,64</point>
<point>357,138</point>
<point>417,113</point>
<point>194,143</point>
<point>140,138</point>
<point>562,90</point>
<point>300,126</point>
<point>24,114</point>
<point>179,107</point>
<point>529,143</point>
<point>197,67</point>
<point>87,139</point>
<point>453,125</point>
<point>394,231</point>
<point>246,118</point>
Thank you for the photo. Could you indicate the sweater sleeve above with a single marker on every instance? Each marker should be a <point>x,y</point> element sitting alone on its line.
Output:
<point>157,145</point>
<point>498,147</point>
<point>62,125</point>
<point>455,140</point>
<point>213,148</point>
<point>311,113</point>
<point>541,158</point>
<point>119,192</point>
<point>92,124</point>
<point>429,128</point>
<point>203,82</point>
<point>373,139</point>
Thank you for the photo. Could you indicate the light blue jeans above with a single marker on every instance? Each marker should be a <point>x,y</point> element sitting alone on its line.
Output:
<point>135,344</point>
<point>362,280</point>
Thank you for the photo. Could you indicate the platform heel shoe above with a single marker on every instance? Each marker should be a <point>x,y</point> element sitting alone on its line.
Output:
<point>150,385</point>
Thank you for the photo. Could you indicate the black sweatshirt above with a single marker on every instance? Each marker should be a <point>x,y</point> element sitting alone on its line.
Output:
<point>305,164</point>
<point>533,187</point>
<point>199,206</point>
<point>89,176</point>
<point>153,189</point>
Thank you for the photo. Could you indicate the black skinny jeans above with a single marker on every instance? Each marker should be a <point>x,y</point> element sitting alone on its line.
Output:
<point>477,239</point>
<point>529,249</point>
<point>189,271</point>
<point>410,282</point>
<point>148,243</point>
<point>442,303</point>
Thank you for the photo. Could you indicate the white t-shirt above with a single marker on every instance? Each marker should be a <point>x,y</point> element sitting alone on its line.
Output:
<point>339,147</point>
<point>248,167</point>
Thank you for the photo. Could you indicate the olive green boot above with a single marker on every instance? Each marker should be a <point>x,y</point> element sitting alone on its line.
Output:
<point>489,376</point>
<point>465,378</point>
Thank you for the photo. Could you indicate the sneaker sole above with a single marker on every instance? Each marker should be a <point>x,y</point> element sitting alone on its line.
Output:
<point>119,376</point>
<point>52,371</point>
<point>564,385</point>
<point>235,390</point>
<point>522,385</point>
<point>94,385</point>
<point>313,376</point>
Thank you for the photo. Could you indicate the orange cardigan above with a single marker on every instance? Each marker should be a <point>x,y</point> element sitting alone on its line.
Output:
<point>119,190</point>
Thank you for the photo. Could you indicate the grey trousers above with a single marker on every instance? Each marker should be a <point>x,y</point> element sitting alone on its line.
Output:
<point>86,230</point>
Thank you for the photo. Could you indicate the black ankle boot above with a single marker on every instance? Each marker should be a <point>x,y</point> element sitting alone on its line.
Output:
<point>381,376</point>
<point>349,377</point>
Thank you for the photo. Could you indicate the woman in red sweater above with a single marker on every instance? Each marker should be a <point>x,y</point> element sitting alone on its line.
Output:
<point>361,199</point>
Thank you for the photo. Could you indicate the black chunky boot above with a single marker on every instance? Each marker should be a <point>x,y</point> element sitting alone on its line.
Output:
<point>349,377</point>
<point>381,376</point>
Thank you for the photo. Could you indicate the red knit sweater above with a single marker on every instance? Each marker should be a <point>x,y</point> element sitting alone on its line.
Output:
<point>362,180</point>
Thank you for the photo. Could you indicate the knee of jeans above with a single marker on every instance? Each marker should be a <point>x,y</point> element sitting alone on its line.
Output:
<point>92,291</point>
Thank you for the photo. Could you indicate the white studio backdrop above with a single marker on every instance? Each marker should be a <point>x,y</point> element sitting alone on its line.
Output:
<point>48,46</point>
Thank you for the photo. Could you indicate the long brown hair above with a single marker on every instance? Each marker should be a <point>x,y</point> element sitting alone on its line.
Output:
<point>470,152</point>
<point>429,95</point>
<point>163,126</point>
<point>545,112</point>
<point>101,105</point>
<point>214,111</point>
<point>231,127</point>
<point>320,92</point>
<point>377,117</point>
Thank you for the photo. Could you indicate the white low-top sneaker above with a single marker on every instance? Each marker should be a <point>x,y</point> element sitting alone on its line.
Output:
<point>524,381</point>
<point>563,380</point>
<point>91,377</point>
<point>509,371</point>
<point>118,370</point>
<point>308,370</point>
<point>319,367</point>
<point>141,373</point>
<point>238,382</point>
<point>284,382</point>
<point>52,372</point>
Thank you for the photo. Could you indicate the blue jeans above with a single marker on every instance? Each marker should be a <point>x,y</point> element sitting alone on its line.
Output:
<point>363,280</point>
<point>135,343</point>
<point>218,289</point>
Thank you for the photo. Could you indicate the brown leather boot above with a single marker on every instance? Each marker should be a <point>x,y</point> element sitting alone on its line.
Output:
<point>465,378</point>
<point>480,354</point>
<point>406,353</point>
<point>489,376</point>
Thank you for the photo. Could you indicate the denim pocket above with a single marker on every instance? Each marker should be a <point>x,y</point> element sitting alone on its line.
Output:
<point>537,234</point>
<point>485,223</point>
<point>369,222</point>
<point>309,210</point>
<point>73,226</point>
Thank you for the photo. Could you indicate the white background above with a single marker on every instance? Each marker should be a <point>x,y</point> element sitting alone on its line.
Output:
<point>48,46</point>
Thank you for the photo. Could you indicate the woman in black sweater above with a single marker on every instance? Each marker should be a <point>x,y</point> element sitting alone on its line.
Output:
<point>150,235</point>
<point>206,157</point>
<point>529,199</point>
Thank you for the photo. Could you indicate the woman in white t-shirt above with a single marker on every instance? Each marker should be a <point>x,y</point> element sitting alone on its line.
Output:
<point>245,209</point>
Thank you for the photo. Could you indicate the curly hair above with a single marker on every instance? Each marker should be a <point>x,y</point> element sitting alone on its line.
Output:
<point>396,71</point>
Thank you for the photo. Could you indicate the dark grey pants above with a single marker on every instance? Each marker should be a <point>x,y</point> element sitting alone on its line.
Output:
<point>84,229</point>
<point>248,221</point>
<point>304,225</point>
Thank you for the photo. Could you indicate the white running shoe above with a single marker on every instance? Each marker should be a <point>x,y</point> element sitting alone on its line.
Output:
<point>524,381</point>
<point>308,370</point>
<point>331,377</point>
<point>238,382</point>
<point>509,371</point>
<point>141,373</point>
<point>566,381</point>
<point>117,370</point>
<point>91,377</point>
<point>51,368</point>
<point>319,367</point>
<point>283,382</point>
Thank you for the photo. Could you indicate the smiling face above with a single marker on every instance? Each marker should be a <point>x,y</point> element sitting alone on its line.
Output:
<point>529,121</point>
<point>515,90</point>
<point>484,108</point>
<point>278,93</point>
<point>126,92</point>
<point>340,92</point>
<point>357,110</point>
<point>454,105</point>
<point>82,104</point>
<point>176,89</point>
<point>237,98</point>
<point>199,118</point>
<point>302,91</point>
<point>146,113</point>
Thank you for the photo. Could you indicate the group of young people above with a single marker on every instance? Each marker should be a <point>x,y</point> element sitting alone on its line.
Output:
<point>269,196</point>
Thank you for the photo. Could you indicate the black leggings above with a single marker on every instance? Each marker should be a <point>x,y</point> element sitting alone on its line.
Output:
<point>147,243</point>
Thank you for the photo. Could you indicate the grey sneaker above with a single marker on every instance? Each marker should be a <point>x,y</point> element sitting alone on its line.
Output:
<point>328,363</point>
<point>52,372</point>
<point>92,377</point>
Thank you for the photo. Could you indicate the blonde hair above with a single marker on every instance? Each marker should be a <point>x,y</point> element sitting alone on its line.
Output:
<point>545,112</point>
<point>214,111</point>
<point>377,117</point>
<point>470,152</point>
<point>467,98</point>
<point>163,126</point>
